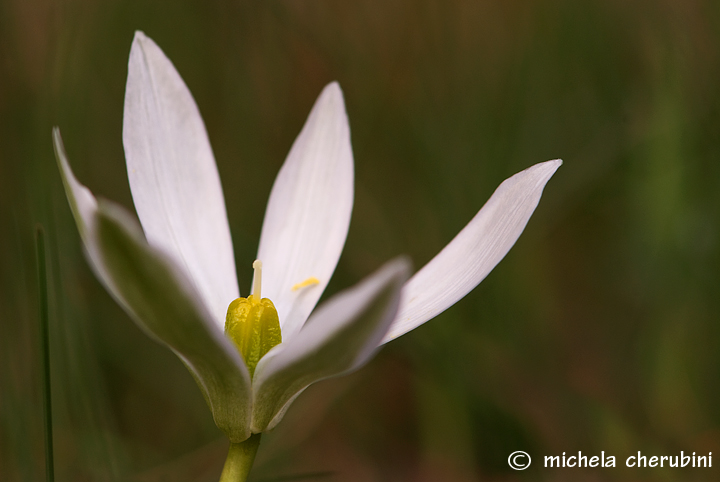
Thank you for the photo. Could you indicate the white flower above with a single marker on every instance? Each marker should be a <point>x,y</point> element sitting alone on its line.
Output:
<point>177,279</point>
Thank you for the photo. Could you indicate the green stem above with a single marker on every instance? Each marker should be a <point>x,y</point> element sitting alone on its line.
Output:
<point>45,339</point>
<point>240,459</point>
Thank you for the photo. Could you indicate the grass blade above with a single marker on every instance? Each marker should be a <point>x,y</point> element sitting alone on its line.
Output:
<point>45,353</point>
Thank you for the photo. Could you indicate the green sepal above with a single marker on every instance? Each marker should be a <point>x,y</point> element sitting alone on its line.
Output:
<point>161,299</point>
<point>163,302</point>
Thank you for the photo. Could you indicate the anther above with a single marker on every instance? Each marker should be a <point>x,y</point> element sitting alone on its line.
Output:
<point>308,282</point>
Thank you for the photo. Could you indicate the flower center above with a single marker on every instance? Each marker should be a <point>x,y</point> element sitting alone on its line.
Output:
<point>252,323</point>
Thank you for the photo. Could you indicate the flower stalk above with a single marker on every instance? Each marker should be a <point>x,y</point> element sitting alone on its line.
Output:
<point>240,459</point>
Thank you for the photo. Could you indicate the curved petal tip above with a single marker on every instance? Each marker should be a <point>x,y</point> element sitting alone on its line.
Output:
<point>475,251</point>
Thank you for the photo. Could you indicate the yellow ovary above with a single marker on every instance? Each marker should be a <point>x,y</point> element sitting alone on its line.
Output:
<point>252,324</point>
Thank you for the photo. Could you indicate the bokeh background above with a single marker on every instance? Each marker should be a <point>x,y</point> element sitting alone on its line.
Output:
<point>598,332</point>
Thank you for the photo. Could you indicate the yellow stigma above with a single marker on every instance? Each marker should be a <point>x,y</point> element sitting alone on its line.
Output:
<point>252,323</point>
<point>308,282</point>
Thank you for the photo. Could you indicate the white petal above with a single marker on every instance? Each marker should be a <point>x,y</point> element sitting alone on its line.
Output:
<point>308,214</point>
<point>474,252</point>
<point>162,301</point>
<point>340,336</point>
<point>173,176</point>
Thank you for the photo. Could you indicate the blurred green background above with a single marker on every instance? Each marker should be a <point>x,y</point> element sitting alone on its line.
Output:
<point>598,332</point>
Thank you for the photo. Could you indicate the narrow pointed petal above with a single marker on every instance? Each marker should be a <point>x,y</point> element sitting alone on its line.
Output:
<point>341,336</point>
<point>162,301</point>
<point>474,252</point>
<point>173,177</point>
<point>82,202</point>
<point>308,214</point>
